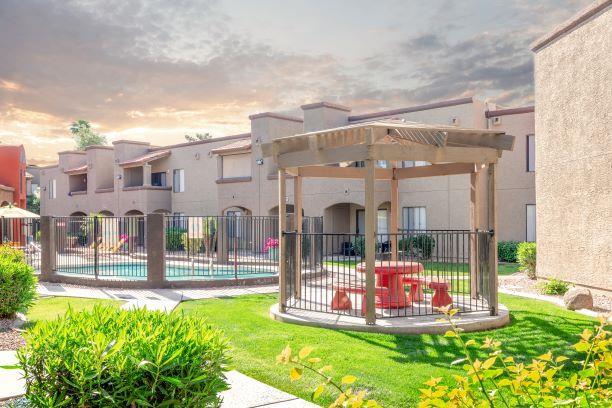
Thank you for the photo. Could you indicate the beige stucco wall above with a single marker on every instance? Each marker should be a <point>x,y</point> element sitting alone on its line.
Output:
<point>573,82</point>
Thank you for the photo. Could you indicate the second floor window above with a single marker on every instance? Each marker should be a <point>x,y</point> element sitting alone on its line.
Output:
<point>413,163</point>
<point>530,152</point>
<point>178,182</point>
<point>415,218</point>
<point>52,189</point>
<point>158,179</point>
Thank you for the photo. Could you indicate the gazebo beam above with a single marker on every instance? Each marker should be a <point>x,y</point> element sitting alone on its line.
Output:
<point>433,170</point>
<point>370,241</point>
<point>323,156</point>
<point>433,154</point>
<point>342,172</point>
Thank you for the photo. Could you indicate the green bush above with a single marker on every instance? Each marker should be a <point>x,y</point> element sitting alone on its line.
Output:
<point>554,287</point>
<point>526,256</point>
<point>174,238</point>
<point>359,246</point>
<point>108,357</point>
<point>422,244</point>
<point>506,251</point>
<point>17,282</point>
<point>192,245</point>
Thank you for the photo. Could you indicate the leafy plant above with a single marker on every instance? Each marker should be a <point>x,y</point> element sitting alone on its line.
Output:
<point>84,135</point>
<point>192,245</point>
<point>554,287</point>
<point>422,245</point>
<point>526,256</point>
<point>501,381</point>
<point>506,251</point>
<point>345,395</point>
<point>174,238</point>
<point>358,245</point>
<point>17,282</point>
<point>109,357</point>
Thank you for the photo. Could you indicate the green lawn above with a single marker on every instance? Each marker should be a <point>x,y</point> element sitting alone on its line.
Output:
<point>392,366</point>
<point>48,308</point>
<point>432,268</point>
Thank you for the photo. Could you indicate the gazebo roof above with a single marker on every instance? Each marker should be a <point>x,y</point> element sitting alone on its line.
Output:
<point>390,139</point>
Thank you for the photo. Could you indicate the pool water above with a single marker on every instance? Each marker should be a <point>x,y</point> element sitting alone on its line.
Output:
<point>138,271</point>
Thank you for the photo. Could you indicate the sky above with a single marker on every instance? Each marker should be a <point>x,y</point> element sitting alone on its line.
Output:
<point>155,70</point>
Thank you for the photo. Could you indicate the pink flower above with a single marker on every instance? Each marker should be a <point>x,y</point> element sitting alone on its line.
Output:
<point>270,243</point>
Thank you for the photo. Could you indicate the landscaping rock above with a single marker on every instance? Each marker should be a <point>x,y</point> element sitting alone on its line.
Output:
<point>578,298</point>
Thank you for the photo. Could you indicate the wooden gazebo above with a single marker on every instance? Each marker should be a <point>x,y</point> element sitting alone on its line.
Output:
<point>450,150</point>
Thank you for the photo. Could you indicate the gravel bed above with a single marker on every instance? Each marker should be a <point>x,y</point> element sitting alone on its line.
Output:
<point>521,283</point>
<point>10,339</point>
<point>15,403</point>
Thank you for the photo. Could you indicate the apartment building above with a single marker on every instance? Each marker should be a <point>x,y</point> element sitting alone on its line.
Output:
<point>573,77</point>
<point>13,176</point>
<point>229,175</point>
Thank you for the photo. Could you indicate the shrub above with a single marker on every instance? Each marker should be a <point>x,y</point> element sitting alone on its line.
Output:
<point>192,245</point>
<point>17,283</point>
<point>554,287</point>
<point>343,390</point>
<point>358,245</point>
<point>422,245</point>
<point>174,238</point>
<point>109,357</point>
<point>506,251</point>
<point>499,380</point>
<point>526,256</point>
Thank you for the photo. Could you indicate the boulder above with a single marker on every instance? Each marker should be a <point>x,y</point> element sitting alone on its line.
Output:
<point>578,298</point>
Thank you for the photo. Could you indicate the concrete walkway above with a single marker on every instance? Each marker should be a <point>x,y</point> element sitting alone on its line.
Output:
<point>152,299</point>
<point>245,392</point>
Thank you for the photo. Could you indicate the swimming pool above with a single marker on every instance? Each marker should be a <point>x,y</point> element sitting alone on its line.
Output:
<point>138,271</point>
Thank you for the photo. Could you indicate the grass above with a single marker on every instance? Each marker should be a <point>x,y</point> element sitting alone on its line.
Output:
<point>394,367</point>
<point>432,268</point>
<point>48,308</point>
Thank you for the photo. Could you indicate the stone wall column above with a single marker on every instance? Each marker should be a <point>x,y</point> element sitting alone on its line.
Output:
<point>47,244</point>
<point>156,250</point>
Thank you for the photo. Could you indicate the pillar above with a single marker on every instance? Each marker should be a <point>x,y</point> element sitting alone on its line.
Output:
<point>475,196</point>
<point>370,235</point>
<point>394,214</point>
<point>282,240</point>
<point>146,175</point>
<point>297,213</point>
<point>47,246</point>
<point>492,221</point>
<point>156,250</point>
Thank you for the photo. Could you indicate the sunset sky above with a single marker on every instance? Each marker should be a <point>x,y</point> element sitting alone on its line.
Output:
<point>155,70</point>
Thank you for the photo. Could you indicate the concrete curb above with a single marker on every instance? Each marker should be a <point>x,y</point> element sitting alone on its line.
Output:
<point>469,322</point>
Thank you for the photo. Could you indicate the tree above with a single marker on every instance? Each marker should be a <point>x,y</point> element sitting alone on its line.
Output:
<point>84,135</point>
<point>33,204</point>
<point>198,137</point>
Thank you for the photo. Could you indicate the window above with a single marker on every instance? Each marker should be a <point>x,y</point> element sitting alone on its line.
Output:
<point>530,152</point>
<point>415,218</point>
<point>382,223</point>
<point>178,183</point>
<point>179,220</point>
<point>531,222</point>
<point>52,189</point>
<point>360,163</point>
<point>158,179</point>
<point>412,163</point>
<point>382,164</point>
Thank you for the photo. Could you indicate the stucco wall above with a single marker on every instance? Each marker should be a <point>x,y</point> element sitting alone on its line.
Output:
<point>573,77</point>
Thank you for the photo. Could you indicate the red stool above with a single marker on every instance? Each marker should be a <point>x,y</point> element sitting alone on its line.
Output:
<point>341,300</point>
<point>416,288</point>
<point>440,297</point>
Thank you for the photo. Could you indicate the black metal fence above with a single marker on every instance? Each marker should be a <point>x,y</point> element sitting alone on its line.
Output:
<point>225,247</point>
<point>23,234</point>
<point>100,247</point>
<point>432,269</point>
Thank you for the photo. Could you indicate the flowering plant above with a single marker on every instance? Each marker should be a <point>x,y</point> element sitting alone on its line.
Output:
<point>124,237</point>
<point>270,243</point>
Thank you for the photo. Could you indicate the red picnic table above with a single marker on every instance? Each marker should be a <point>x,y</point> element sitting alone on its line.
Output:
<point>390,282</point>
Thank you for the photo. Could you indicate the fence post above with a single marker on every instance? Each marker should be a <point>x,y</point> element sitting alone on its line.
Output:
<point>47,246</point>
<point>156,249</point>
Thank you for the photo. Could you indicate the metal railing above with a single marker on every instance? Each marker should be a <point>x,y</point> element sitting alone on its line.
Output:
<point>225,247</point>
<point>100,247</point>
<point>23,234</point>
<point>432,269</point>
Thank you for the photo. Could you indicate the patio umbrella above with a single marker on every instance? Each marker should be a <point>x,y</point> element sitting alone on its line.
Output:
<point>15,212</point>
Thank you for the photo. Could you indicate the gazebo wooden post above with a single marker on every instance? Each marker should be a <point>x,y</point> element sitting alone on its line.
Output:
<point>492,216</point>
<point>297,213</point>
<point>475,224</point>
<point>282,240</point>
<point>370,233</point>
<point>394,212</point>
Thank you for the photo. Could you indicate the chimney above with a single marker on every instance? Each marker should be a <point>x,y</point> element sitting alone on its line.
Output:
<point>324,115</point>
